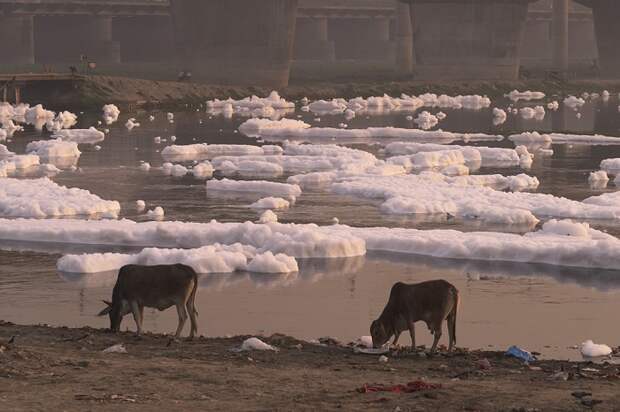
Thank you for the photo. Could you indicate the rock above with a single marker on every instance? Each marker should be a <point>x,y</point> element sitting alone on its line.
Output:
<point>581,394</point>
<point>589,402</point>
<point>559,376</point>
<point>484,364</point>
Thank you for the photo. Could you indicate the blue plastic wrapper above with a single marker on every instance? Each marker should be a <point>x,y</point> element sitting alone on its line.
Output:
<point>517,352</point>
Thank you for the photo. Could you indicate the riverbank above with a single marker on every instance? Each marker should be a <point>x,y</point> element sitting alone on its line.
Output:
<point>46,368</point>
<point>90,92</point>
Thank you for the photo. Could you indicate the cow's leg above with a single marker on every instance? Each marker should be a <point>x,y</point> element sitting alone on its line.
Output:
<point>141,314</point>
<point>192,317</point>
<point>396,336</point>
<point>135,309</point>
<point>437,335</point>
<point>412,333</point>
<point>451,331</point>
<point>182,318</point>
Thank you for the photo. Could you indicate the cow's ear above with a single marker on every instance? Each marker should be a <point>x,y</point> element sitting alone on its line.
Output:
<point>107,309</point>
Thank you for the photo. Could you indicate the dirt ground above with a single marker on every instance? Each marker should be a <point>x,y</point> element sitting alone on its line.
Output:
<point>44,368</point>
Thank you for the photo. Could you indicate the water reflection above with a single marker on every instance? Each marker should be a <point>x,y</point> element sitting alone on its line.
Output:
<point>473,270</point>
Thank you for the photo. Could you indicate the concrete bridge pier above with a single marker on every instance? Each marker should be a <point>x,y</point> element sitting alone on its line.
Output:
<point>312,40</point>
<point>18,40</point>
<point>606,17</point>
<point>103,47</point>
<point>245,42</point>
<point>363,38</point>
<point>404,39</point>
<point>468,39</point>
<point>560,35</point>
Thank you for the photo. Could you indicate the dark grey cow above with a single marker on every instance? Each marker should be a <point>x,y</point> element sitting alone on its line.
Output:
<point>432,302</point>
<point>157,287</point>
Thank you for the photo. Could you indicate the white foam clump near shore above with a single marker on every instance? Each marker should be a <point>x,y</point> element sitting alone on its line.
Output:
<point>207,259</point>
<point>590,349</point>
<point>201,151</point>
<point>41,198</point>
<point>268,216</point>
<point>169,169</point>
<point>80,136</point>
<point>274,100</point>
<point>110,113</point>
<point>611,166</point>
<point>156,214</point>
<point>286,190</point>
<point>285,129</point>
<point>562,243</point>
<point>528,95</point>
<point>53,148</point>
<point>386,103</point>
<point>271,203</point>
<point>598,179</point>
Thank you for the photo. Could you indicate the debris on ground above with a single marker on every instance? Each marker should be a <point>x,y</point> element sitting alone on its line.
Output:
<point>410,387</point>
<point>118,348</point>
<point>517,352</point>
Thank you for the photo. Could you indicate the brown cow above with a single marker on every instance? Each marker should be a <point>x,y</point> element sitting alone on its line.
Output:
<point>157,287</point>
<point>432,302</point>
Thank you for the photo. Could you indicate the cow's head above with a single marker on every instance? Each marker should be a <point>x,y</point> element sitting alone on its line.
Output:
<point>116,313</point>
<point>379,334</point>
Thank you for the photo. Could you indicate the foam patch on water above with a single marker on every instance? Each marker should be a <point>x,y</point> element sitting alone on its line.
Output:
<point>42,198</point>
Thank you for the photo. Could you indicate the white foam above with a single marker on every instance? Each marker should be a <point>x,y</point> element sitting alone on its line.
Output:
<point>53,148</point>
<point>271,203</point>
<point>80,136</point>
<point>565,244</point>
<point>202,151</point>
<point>611,166</point>
<point>41,198</point>
<point>528,95</point>
<point>207,259</point>
<point>268,216</point>
<point>255,186</point>
<point>110,113</point>
<point>203,170</point>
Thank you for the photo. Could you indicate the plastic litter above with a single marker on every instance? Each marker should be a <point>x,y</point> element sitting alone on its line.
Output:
<point>118,348</point>
<point>517,352</point>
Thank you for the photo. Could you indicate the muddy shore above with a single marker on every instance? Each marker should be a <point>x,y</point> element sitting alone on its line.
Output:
<point>91,92</point>
<point>46,368</point>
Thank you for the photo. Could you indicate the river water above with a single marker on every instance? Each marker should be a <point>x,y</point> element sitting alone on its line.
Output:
<point>541,308</point>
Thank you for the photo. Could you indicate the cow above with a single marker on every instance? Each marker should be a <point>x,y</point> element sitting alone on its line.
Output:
<point>157,287</point>
<point>432,302</point>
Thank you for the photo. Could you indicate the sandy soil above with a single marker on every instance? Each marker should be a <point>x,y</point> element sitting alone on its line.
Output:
<point>45,368</point>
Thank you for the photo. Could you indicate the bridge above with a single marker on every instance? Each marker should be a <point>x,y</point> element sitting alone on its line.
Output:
<point>223,41</point>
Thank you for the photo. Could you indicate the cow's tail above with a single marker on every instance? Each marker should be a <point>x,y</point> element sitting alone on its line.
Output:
<point>192,296</point>
<point>454,312</point>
